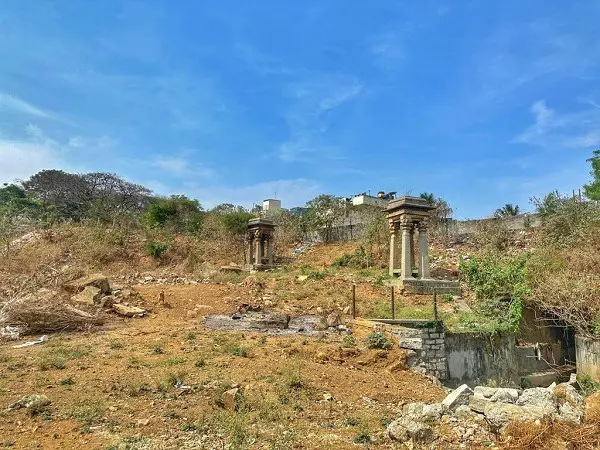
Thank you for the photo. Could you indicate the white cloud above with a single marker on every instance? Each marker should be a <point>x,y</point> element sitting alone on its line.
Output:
<point>22,159</point>
<point>309,114</point>
<point>82,142</point>
<point>579,129</point>
<point>182,167</point>
<point>15,104</point>
<point>294,192</point>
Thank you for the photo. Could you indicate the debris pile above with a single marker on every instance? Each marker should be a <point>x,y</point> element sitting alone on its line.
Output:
<point>475,416</point>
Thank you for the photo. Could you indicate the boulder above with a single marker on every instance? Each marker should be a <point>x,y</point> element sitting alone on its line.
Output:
<point>417,423</point>
<point>570,403</point>
<point>230,399</point>
<point>97,280</point>
<point>90,295</point>
<point>478,403</point>
<point>505,395</point>
<point>334,319</point>
<point>34,403</point>
<point>538,397</point>
<point>459,396</point>
<point>484,391</point>
<point>500,414</point>
<point>126,310</point>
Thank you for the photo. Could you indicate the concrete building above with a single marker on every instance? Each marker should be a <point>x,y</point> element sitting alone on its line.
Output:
<point>365,199</point>
<point>271,205</point>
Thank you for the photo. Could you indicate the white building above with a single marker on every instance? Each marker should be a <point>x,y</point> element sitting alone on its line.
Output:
<point>271,205</point>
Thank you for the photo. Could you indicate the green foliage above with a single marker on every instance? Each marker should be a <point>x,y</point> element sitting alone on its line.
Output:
<point>587,385</point>
<point>501,286</point>
<point>235,223</point>
<point>507,210</point>
<point>156,249</point>
<point>592,190</point>
<point>324,212</point>
<point>177,212</point>
<point>378,340</point>
<point>348,341</point>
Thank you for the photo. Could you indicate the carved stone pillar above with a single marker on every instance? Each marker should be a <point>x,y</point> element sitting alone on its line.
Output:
<point>270,250</point>
<point>393,248</point>
<point>249,252</point>
<point>423,251</point>
<point>258,242</point>
<point>406,266</point>
<point>412,249</point>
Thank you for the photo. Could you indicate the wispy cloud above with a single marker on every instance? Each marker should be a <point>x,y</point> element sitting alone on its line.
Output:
<point>87,142</point>
<point>580,129</point>
<point>292,192</point>
<point>182,167</point>
<point>17,105</point>
<point>22,158</point>
<point>311,110</point>
<point>387,49</point>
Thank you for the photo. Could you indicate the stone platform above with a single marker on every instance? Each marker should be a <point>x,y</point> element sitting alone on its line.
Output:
<point>427,286</point>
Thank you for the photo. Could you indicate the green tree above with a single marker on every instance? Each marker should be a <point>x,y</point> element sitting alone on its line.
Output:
<point>592,190</point>
<point>16,212</point>
<point>177,212</point>
<point>323,214</point>
<point>429,197</point>
<point>507,210</point>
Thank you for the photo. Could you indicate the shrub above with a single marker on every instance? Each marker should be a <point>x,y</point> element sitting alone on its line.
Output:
<point>500,285</point>
<point>378,340</point>
<point>156,249</point>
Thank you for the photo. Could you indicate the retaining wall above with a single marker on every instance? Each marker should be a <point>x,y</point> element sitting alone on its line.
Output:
<point>588,357</point>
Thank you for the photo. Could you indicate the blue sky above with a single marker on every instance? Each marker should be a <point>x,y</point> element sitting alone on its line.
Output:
<point>482,103</point>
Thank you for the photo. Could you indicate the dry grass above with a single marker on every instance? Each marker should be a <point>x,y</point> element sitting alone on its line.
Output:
<point>46,315</point>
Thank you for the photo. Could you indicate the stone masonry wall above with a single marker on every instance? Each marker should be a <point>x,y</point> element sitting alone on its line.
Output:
<point>428,349</point>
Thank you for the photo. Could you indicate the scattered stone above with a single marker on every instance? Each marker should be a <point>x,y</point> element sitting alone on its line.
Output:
<point>322,357</point>
<point>500,414</point>
<point>327,397</point>
<point>484,391</point>
<point>96,280</point>
<point>478,403</point>
<point>230,399</point>
<point>463,411</point>
<point>90,295</point>
<point>34,403</point>
<point>416,423</point>
<point>143,422</point>
<point>505,395</point>
<point>460,396</point>
<point>538,397</point>
<point>334,319</point>
<point>128,311</point>
<point>302,277</point>
<point>347,310</point>
<point>108,301</point>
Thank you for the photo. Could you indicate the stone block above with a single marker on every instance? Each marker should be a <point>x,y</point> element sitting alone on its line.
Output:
<point>460,396</point>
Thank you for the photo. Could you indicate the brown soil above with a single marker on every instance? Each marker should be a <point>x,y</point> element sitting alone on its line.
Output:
<point>115,379</point>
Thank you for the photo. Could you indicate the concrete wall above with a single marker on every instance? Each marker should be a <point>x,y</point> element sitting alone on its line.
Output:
<point>520,222</point>
<point>588,357</point>
<point>475,358</point>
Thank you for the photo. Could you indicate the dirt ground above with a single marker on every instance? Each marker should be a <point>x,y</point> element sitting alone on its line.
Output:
<point>116,387</point>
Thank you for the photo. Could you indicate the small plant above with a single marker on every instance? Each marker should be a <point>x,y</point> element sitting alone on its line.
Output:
<point>191,336</point>
<point>158,347</point>
<point>156,249</point>
<point>378,340</point>
<point>447,298</point>
<point>588,385</point>
<point>115,345</point>
<point>239,350</point>
<point>316,275</point>
<point>363,437</point>
<point>200,362</point>
<point>189,427</point>
<point>262,340</point>
<point>351,422</point>
<point>175,360</point>
<point>67,381</point>
<point>52,362</point>
<point>348,341</point>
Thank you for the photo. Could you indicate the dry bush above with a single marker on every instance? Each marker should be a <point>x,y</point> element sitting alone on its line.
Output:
<point>550,435</point>
<point>44,313</point>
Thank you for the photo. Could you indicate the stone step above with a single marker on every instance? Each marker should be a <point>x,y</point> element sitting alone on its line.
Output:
<point>547,377</point>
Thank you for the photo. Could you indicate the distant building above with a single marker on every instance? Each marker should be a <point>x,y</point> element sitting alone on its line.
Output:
<point>271,205</point>
<point>364,199</point>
